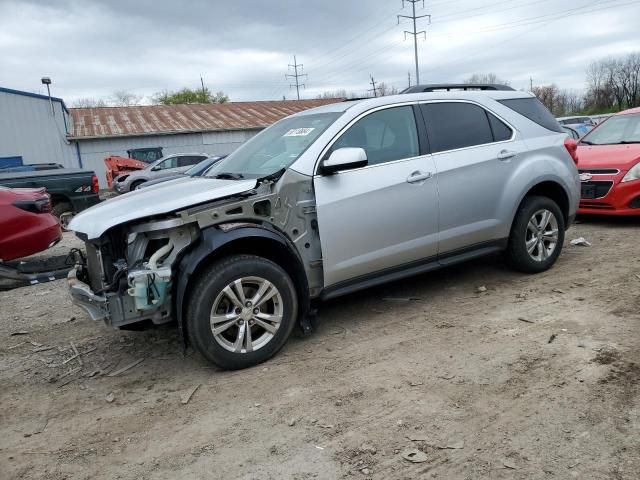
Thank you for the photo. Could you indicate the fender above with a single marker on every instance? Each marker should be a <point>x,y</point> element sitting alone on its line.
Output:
<point>210,241</point>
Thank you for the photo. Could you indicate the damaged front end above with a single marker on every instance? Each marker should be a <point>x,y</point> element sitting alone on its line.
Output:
<point>127,277</point>
<point>140,270</point>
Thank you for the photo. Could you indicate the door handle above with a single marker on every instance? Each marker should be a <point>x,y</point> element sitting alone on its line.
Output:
<point>506,154</point>
<point>418,176</point>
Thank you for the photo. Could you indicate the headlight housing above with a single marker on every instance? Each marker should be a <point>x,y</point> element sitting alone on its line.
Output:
<point>633,173</point>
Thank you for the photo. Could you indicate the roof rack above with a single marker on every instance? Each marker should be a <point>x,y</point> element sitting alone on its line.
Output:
<point>455,86</point>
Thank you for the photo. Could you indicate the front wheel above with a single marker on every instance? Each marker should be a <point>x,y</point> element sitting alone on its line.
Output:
<point>241,312</point>
<point>537,235</point>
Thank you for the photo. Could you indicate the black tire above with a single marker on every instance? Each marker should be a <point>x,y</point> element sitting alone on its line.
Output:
<point>517,253</point>
<point>136,184</point>
<point>64,212</point>
<point>210,285</point>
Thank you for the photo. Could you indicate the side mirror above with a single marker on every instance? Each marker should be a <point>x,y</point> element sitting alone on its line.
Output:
<point>343,159</point>
<point>155,169</point>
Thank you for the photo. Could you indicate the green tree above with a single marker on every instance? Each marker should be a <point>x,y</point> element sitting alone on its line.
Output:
<point>188,95</point>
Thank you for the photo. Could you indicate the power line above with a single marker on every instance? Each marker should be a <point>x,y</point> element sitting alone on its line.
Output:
<point>296,75</point>
<point>415,33</point>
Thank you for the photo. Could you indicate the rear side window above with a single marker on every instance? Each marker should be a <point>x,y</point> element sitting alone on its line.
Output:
<point>534,110</point>
<point>189,161</point>
<point>456,125</point>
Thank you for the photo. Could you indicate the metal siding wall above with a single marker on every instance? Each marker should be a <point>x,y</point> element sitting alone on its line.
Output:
<point>94,152</point>
<point>28,129</point>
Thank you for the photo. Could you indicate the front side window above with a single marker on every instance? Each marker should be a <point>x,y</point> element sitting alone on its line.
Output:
<point>386,135</point>
<point>458,125</point>
<point>620,129</point>
<point>168,163</point>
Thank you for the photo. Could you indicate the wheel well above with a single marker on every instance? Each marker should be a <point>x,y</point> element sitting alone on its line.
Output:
<point>555,192</point>
<point>266,248</point>
<point>58,198</point>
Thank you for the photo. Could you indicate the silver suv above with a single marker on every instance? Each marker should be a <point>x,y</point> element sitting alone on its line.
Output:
<point>324,203</point>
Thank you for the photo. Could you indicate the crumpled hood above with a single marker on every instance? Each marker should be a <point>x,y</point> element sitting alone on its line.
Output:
<point>155,200</point>
<point>622,157</point>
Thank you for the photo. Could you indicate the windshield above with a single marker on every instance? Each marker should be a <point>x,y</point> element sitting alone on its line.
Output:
<point>616,130</point>
<point>200,167</point>
<point>275,148</point>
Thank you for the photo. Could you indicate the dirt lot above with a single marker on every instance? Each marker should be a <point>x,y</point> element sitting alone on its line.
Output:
<point>536,377</point>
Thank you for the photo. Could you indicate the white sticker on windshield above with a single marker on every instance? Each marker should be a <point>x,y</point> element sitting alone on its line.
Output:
<point>298,132</point>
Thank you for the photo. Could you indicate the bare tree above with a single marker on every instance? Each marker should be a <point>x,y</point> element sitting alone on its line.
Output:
<point>89,102</point>
<point>122,98</point>
<point>383,89</point>
<point>490,78</point>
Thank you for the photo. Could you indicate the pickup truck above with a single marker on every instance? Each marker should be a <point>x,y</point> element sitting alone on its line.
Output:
<point>72,190</point>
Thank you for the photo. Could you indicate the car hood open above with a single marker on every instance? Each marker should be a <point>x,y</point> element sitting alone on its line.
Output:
<point>155,200</point>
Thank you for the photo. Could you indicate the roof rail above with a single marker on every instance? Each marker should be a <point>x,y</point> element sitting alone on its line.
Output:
<point>455,86</point>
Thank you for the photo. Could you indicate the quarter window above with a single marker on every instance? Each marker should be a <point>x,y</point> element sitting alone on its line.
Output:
<point>501,132</point>
<point>386,135</point>
<point>457,125</point>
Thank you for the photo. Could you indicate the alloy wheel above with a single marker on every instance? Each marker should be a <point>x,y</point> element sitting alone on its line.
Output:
<point>542,235</point>
<point>246,314</point>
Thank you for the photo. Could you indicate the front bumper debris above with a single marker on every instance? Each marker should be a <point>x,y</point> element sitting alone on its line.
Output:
<point>83,296</point>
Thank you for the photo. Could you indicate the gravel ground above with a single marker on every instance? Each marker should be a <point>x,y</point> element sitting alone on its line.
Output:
<point>536,377</point>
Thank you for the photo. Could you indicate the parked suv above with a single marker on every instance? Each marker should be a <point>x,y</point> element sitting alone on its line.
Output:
<point>327,202</point>
<point>163,167</point>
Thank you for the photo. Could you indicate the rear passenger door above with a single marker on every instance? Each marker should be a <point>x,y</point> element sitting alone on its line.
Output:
<point>475,153</point>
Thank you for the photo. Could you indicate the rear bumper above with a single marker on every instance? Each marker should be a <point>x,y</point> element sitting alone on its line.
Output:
<point>82,295</point>
<point>622,200</point>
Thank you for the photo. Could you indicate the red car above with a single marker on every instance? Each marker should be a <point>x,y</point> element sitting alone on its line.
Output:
<point>609,165</point>
<point>26,223</point>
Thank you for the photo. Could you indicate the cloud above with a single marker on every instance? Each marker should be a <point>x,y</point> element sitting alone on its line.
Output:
<point>92,48</point>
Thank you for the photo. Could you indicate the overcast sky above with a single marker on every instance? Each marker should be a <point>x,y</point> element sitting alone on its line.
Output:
<point>92,48</point>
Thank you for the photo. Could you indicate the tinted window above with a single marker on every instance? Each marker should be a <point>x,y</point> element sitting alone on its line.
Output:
<point>386,135</point>
<point>456,125</point>
<point>500,130</point>
<point>188,161</point>
<point>535,111</point>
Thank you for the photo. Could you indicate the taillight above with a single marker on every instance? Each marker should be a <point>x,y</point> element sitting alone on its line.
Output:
<point>95,186</point>
<point>40,205</point>
<point>572,147</point>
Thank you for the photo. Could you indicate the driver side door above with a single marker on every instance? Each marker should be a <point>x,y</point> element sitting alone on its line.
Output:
<point>381,218</point>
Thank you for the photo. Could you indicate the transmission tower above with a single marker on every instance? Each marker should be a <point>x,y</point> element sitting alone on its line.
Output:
<point>296,75</point>
<point>374,89</point>
<point>415,32</point>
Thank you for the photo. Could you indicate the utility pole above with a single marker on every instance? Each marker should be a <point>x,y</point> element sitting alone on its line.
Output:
<point>374,89</point>
<point>409,75</point>
<point>531,82</point>
<point>296,75</point>
<point>415,32</point>
<point>202,83</point>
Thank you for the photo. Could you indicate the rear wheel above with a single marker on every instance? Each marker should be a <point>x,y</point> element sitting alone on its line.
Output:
<point>537,235</point>
<point>242,311</point>
<point>64,212</point>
